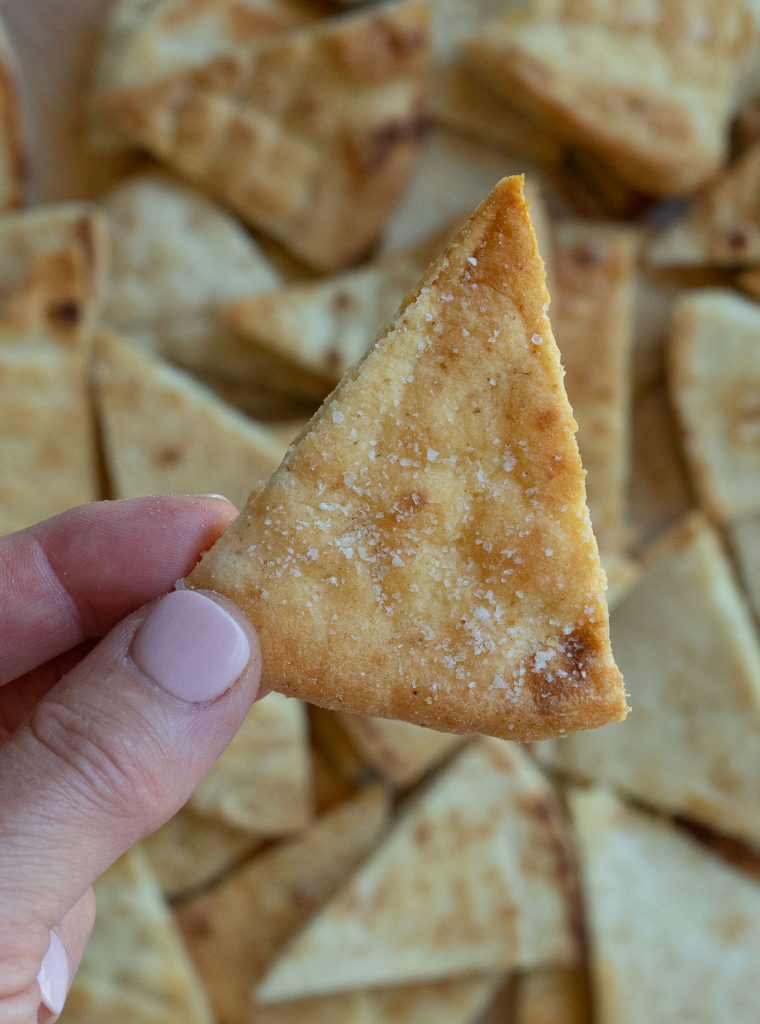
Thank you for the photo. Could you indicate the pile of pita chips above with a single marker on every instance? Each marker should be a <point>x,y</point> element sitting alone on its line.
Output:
<point>135,967</point>
<point>715,388</point>
<point>592,318</point>
<point>675,933</point>
<point>320,172</point>
<point>447,893</point>
<point>648,90</point>
<point>134,392</point>
<point>50,290</point>
<point>686,643</point>
<point>435,508</point>
<point>12,150</point>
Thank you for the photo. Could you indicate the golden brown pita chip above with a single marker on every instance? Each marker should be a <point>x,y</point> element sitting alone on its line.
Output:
<point>234,931</point>
<point>321,171</point>
<point>686,642</point>
<point>12,150</point>
<point>723,227</point>
<point>451,1001</point>
<point>189,852</point>
<point>675,933</point>
<point>592,318</point>
<point>262,782</point>
<point>163,433</point>
<point>399,751</point>
<point>647,89</point>
<point>135,967</point>
<point>715,388</point>
<point>424,552</point>
<point>553,997</point>
<point>449,892</point>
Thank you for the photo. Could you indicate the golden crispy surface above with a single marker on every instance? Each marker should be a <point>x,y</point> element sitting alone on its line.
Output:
<point>425,552</point>
<point>308,135</point>
<point>646,87</point>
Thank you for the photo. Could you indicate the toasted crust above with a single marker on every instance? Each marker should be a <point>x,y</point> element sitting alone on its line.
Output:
<point>322,172</point>
<point>435,509</point>
<point>675,933</point>
<point>592,318</point>
<point>12,148</point>
<point>476,876</point>
<point>714,381</point>
<point>722,229</point>
<point>650,93</point>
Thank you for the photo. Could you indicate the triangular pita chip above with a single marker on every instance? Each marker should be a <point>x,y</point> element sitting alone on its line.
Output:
<point>715,388</point>
<point>163,433</point>
<point>399,751</point>
<point>475,876</point>
<point>12,150</point>
<point>553,997</point>
<point>647,89</point>
<point>686,643</point>
<point>723,227</point>
<point>425,552</point>
<point>592,318</point>
<point>451,1001</point>
<point>262,782</point>
<point>135,967</point>
<point>621,572</point>
<point>145,41</point>
<point>234,931</point>
<point>675,933</point>
<point>189,852</point>
<point>745,539</point>
<point>320,170</point>
<point>50,266</point>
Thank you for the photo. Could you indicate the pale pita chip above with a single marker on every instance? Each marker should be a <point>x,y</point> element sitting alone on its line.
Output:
<point>136,392</point>
<point>551,997</point>
<point>320,170</point>
<point>475,876</point>
<point>234,931</point>
<point>660,493</point>
<point>262,782</point>
<point>715,388</point>
<point>592,317</point>
<point>402,753</point>
<point>649,89</point>
<point>686,642</point>
<point>675,934</point>
<point>287,431</point>
<point>745,539</point>
<point>147,40</point>
<point>723,227</point>
<point>190,852</point>
<point>325,326</point>
<point>12,149</point>
<point>435,509</point>
<point>621,572</point>
<point>135,967</point>
<point>451,1001</point>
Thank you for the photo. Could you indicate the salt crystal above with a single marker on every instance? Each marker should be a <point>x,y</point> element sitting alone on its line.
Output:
<point>337,416</point>
<point>537,339</point>
<point>472,261</point>
<point>432,454</point>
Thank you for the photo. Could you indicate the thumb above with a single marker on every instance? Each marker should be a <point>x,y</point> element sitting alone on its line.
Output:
<point>113,750</point>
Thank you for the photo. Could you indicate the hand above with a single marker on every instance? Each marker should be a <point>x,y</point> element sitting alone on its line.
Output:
<point>101,743</point>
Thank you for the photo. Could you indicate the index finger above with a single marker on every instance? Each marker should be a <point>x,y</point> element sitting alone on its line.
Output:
<point>75,576</point>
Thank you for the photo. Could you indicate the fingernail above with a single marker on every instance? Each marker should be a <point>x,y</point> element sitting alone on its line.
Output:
<point>218,497</point>
<point>191,647</point>
<point>53,978</point>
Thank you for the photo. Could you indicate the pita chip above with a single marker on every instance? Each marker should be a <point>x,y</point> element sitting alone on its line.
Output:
<point>745,540</point>
<point>715,388</point>
<point>330,788</point>
<point>135,391</point>
<point>451,1001</point>
<point>675,933</point>
<point>723,226</point>
<point>322,172</point>
<point>448,892</point>
<point>621,572</point>
<point>12,149</point>
<point>402,753</point>
<point>50,266</point>
<point>749,281</point>
<point>592,317</point>
<point>548,997</point>
<point>190,852</point>
<point>262,782</point>
<point>687,644</point>
<point>339,749</point>
<point>647,89</point>
<point>435,508</point>
<point>234,931</point>
<point>135,967</point>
